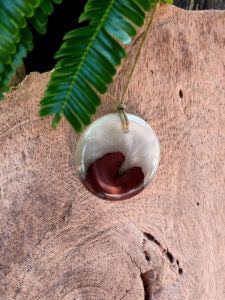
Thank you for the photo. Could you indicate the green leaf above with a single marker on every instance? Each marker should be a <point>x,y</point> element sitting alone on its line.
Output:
<point>168,1</point>
<point>1,68</point>
<point>39,21</point>
<point>57,1</point>
<point>6,75</point>
<point>72,118</point>
<point>47,7</point>
<point>1,96</point>
<point>88,58</point>
<point>56,121</point>
<point>15,34</point>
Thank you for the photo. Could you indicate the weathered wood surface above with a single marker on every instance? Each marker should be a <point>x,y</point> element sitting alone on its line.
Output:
<point>60,242</point>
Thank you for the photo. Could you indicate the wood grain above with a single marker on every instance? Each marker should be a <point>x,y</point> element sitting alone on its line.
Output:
<point>60,242</point>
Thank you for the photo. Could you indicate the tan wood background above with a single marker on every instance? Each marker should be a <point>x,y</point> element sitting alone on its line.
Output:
<point>60,242</point>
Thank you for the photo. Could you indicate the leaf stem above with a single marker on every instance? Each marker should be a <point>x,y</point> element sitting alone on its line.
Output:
<point>139,51</point>
<point>98,28</point>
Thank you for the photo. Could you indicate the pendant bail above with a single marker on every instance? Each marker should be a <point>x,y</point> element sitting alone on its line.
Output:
<point>120,107</point>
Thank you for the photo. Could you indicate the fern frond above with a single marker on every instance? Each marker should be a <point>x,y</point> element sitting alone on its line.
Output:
<point>88,58</point>
<point>15,34</point>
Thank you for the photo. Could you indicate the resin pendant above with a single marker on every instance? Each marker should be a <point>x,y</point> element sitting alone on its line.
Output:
<point>117,165</point>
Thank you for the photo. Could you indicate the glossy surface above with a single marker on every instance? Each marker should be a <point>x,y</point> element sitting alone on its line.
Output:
<point>115,165</point>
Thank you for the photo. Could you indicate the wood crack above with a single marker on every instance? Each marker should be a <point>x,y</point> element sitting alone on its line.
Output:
<point>165,251</point>
<point>148,278</point>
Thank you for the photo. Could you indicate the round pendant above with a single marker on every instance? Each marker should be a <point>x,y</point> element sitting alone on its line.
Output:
<point>117,165</point>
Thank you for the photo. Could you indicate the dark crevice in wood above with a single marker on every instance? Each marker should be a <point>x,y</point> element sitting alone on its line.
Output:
<point>67,211</point>
<point>148,279</point>
<point>180,271</point>
<point>170,256</point>
<point>181,94</point>
<point>165,251</point>
<point>152,238</point>
<point>147,256</point>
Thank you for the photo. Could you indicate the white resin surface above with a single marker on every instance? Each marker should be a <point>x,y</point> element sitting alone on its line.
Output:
<point>140,144</point>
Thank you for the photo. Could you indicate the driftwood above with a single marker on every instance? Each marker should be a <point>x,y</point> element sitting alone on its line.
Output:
<point>60,242</point>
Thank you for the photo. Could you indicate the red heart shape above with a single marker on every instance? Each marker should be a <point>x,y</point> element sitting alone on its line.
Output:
<point>104,180</point>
